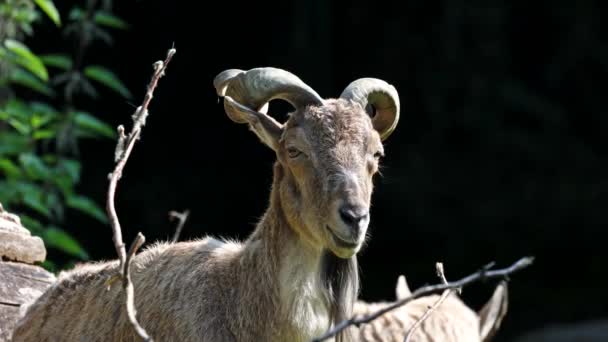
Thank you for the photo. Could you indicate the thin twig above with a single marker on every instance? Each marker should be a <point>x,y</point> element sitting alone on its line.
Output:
<point>482,274</point>
<point>181,217</point>
<point>124,147</point>
<point>431,309</point>
<point>128,287</point>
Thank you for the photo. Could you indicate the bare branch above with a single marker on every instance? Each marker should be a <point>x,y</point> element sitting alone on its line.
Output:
<point>429,311</point>
<point>483,274</point>
<point>128,286</point>
<point>181,217</point>
<point>123,150</point>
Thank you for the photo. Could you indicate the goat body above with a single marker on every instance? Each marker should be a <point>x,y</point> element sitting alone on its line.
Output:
<point>452,321</point>
<point>293,277</point>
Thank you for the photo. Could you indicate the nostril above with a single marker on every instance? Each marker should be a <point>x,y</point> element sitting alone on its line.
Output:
<point>347,216</point>
<point>351,216</point>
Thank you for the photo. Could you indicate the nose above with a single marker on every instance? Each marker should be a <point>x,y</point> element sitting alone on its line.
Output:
<point>353,216</point>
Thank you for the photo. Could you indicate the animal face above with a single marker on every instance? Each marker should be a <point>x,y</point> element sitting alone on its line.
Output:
<point>328,150</point>
<point>330,154</point>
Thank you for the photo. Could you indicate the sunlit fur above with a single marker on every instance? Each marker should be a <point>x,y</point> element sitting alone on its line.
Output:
<point>289,281</point>
<point>452,321</point>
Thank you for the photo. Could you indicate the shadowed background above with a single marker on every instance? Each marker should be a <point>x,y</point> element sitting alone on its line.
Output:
<point>500,151</point>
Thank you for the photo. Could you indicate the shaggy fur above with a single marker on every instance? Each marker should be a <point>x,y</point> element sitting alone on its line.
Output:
<point>452,321</point>
<point>289,281</point>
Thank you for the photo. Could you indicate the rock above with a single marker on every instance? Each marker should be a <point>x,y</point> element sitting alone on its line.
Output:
<point>21,282</point>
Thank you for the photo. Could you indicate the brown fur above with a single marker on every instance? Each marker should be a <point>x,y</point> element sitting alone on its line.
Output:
<point>287,282</point>
<point>452,321</point>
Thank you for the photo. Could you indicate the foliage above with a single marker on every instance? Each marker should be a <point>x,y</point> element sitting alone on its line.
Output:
<point>40,127</point>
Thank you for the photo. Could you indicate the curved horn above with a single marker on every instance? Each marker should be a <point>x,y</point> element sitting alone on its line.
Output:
<point>256,87</point>
<point>382,96</point>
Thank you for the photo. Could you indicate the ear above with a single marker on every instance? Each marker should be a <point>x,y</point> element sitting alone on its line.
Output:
<point>493,312</point>
<point>264,126</point>
<point>402,291</point>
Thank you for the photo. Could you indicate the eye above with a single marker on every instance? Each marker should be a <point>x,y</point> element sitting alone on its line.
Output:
<point>378,155</point>
<point>293,152</point>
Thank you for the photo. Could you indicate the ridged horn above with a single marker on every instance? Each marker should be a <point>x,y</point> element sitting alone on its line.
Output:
<point>255,88</point>
<point>384,99</point>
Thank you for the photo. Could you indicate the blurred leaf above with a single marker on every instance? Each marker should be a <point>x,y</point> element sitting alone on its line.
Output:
<point>107,78</point>
<point>13,144</point>
<point>89,122</point>
<point>32,197</point>
<point>8,193</point>
<point>88,88</point>
<point>64,183</point>
<point>26,79</point>
<point>49,266</point>
<point>27,59</point>
<point>58,238</point>
<point>44,134</point>
<point>24,15</point>
<point>27,28</point>
<point>49,8</point>
<point>54,204</point>
<point>110,20</point>
<point>57,60</point>
<point>9,168</point>
<point>17,109</point>
<point>76,14</point>
<point>19,126</point>
<point>71,167</point>
<point>41,107</point>
<point>34,167</point>
<point>87,206</point>
<point>33,225</point>
<point>49,158</point>
<point>103,35</point>
<point>39,120</point>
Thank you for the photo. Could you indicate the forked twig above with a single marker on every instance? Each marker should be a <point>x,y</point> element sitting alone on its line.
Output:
<point>429,311</point>
<point>123,150</point>
<point>483,274</point>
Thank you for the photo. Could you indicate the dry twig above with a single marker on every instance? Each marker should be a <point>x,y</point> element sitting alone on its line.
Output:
<point>121,155</point>
<point>429,311</point>
<point>181,218</point>
<point>483,274</point>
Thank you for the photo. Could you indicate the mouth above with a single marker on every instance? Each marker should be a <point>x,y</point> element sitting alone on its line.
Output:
<point>340,242</point>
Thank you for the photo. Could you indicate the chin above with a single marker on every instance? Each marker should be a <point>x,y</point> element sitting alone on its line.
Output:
<point>345,253</point>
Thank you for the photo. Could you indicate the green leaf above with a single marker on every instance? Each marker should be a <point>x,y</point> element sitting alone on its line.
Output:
<point>17,109</point>
<point>87,206</point>
<point>107,78</point>
<point>26,79</point>
<point>9,168</point>
<point>89,122</point>
<point>64,183</point>
<point>49,266</point>
<point>108,19</point>
<point>49,8</point>
<point>34,167</point>
<point>58,238</point>
<point>44,134</point>
<point>8,193</point>
<point>33,225</point>
<point>42,107</point>
<point>76,13</point>
<point>32,197</point>
<point>38,120</point>
<point>57,60</point>
<point>19,126</point>
<point>71,167</point>
<point>27,59</point>
<point>13,144</point>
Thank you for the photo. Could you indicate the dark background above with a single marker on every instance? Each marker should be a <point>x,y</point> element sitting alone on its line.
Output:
<point>500,151</point>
